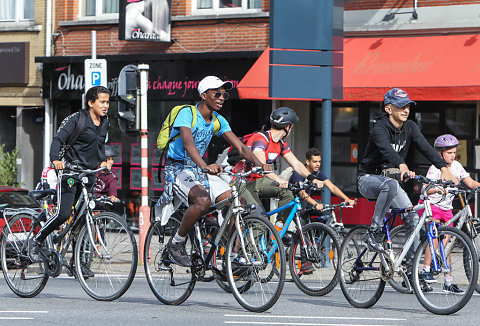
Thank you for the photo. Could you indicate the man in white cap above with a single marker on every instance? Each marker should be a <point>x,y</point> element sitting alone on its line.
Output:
<point>184,162</point>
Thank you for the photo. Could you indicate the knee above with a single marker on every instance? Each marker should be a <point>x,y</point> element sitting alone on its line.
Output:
<point>202,202</point>
<point>390,187</point>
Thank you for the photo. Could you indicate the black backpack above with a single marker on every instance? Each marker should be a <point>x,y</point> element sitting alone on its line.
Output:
<point>79,128</point>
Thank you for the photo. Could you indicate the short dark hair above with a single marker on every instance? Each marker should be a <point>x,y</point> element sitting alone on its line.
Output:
<point>92,94</point>
<point>312,152</point>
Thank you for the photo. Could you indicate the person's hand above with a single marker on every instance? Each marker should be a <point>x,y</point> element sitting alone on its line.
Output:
<point>351,202</point>
<point>318,206</point>
<point>58,165</point>
<point>282,183</point>
<point>404,170</point>
<point>214,168</point>
<point>113,199</point>
<point>267,167</point>
<point>448,176</point>
<point>319,184</point>
<point>103,164</point>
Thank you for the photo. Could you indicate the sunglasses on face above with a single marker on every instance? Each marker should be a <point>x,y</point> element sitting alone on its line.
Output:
<point>219,94</point>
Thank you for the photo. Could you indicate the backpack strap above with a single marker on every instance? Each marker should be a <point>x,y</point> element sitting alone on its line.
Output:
<point>80,126</point>
<point>216,124</point>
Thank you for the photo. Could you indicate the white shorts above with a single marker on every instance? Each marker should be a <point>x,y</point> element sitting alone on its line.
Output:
<point>186,180</point>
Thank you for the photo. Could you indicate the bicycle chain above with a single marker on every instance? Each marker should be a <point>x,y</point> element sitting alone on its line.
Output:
<point>387,276</point>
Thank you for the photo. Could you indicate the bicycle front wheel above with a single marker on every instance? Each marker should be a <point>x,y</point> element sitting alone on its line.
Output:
<point>106,267</point>
<point>24,277</point>
<point>171,283</point>
<point>250,256</point>
<point>460,267</point>
<point>316,273</point>
<point>360,270</point>
<point>474,234</point>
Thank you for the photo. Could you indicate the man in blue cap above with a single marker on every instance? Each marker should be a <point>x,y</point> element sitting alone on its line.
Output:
<point>383,165</point>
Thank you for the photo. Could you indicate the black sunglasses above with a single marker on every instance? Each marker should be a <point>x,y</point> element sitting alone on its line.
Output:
<point>218,94</point>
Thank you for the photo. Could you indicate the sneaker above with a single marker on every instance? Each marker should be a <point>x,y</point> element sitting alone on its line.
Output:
<point>423,284</point>
<point>34,250</point>
<point>427,277</point>
<point>452,288</point>
<point>86,271</point>
<point>306,268</point>
<point>178,253</point>
<point>374,239</point>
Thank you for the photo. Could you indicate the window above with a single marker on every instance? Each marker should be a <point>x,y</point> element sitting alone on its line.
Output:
<point>225,6</point>
<point>16,11</point>
<point>91,8</point>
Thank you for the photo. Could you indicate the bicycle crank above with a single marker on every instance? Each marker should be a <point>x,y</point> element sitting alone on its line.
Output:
<point>52,262</point>
<point>386,274</point>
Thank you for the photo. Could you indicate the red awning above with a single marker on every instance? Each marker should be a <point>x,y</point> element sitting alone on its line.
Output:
<point>428,67</point>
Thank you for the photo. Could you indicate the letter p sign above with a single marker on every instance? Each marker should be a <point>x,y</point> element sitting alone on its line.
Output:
<point>96,78</point>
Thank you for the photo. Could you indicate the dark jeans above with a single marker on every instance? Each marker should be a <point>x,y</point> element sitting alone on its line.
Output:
<point>388,193</point>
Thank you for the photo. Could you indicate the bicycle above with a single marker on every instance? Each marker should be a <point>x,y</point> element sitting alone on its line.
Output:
<point>363,274</point>
<point>104,248</point>
<point>313,244</point>
<point>328,216</point>
<point>242,253</point>
<point>464,221</point>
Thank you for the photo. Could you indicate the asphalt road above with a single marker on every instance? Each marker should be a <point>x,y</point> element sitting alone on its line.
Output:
<point>63,302</point>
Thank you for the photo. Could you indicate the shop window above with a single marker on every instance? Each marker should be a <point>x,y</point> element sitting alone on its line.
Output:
<point>16,11</point>
<point>429,122</point>
<point>460,122</point>
<point>202,7</point>
<point>89,8</point>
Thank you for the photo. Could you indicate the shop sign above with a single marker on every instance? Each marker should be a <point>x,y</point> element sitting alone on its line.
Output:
<point>14,61</point>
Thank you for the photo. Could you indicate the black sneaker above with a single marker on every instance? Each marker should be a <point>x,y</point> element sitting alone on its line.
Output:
<point>86,271</point>
<point>374,240</point>
<point>423,285</point>
<point>427,277</point>
<point>178,253</point>
<point>34,248</point>
<point>453,288</point>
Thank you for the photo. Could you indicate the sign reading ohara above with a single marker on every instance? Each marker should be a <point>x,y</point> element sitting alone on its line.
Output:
<point>95,73</point>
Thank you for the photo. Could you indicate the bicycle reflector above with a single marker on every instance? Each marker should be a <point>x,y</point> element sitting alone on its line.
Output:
<point>91,204</point>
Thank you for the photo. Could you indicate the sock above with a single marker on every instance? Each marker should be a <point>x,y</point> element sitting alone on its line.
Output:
<point>448,280</point>
<point>426,268</point>
<point>178,239</point>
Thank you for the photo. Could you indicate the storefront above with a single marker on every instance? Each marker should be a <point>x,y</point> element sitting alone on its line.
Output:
<point>173,80</point>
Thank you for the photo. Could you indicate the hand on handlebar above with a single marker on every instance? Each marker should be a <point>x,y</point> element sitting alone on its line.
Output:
<point>351,202</point>
<point>405,173</point>
<point>282,183</point>
<point>448,176</point>
<point>213,169</point>
<point>319,184</point>
<point>58,165</point>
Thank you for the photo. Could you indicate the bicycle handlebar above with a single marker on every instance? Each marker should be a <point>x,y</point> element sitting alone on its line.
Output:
<point>81,171</point>
<point>228,170</point>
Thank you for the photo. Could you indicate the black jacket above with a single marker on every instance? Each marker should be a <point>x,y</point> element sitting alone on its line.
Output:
<point>89,149</point>
<point>388,147</point>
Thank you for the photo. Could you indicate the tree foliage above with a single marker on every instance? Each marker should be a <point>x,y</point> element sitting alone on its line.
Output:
<point>8,167</point>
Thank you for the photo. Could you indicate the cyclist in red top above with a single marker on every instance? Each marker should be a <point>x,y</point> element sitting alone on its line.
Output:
<point>267,147</point>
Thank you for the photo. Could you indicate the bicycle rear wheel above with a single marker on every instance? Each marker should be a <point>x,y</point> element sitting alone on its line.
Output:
<point>171,283</point>
<point>24,277</point>
<point>474,234</point>
<point>462,265</point>
<point>360,270</point>
<point>251,267</point>
<point>107,267</point>
<point>316,276</point>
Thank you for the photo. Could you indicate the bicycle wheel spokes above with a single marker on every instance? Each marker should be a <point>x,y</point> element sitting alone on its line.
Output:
<point>360,270</point>
<point>106,268</point>
<point>316,273</point>
<point>256,281</point>
<point>475,236</point>
<point>398,236</point>
<point>25,278</point>
<point>461,266</point>
<point>172,284</point>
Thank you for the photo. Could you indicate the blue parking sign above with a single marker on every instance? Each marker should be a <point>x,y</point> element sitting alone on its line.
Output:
<point>96,78</point>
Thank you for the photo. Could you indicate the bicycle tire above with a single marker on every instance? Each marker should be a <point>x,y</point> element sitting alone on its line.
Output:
<point>114,269</point>
<point>258,235</point>
<point>439,301</point>
<point>24,277</point>
<point>324,259</point>
<point>398,236</point>
<point>474,234</point>
<point>160,271</point>
<point>361,289</point>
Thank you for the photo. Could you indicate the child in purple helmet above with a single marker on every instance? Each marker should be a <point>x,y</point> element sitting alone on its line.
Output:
<point>446,145</point>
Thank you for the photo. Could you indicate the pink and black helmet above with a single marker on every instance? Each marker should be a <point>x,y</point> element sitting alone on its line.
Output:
<point>445,141</point>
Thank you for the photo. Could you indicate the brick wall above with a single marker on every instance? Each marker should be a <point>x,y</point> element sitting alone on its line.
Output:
<point>386,4</point>
<point>189,36</point>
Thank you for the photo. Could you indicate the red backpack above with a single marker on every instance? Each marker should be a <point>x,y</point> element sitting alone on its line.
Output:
<point>233,154</point>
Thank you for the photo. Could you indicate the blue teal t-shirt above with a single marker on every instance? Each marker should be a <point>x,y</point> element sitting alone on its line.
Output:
<point>202,133</point>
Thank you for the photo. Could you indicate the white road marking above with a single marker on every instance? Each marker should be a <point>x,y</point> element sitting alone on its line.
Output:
<point>316,317</point>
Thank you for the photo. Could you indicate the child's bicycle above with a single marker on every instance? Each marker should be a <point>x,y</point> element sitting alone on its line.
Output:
<point>313,251</point>
<point>104,248</point>
<point>363,273</point>
<point>243,253</point>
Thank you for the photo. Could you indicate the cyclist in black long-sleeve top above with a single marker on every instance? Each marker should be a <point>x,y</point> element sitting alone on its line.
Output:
<point>88,152</point>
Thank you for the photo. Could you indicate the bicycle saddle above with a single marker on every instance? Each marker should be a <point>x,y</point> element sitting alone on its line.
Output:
<point>40,194</point>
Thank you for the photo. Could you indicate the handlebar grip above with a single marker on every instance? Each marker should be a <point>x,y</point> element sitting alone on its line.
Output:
<point>205,171</point>
<point>275,184</point>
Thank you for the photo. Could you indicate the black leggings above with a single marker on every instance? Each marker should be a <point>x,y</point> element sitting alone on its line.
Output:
<point>68,192</point>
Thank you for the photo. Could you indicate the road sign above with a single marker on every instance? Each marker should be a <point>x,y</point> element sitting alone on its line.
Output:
<point>95,73</point>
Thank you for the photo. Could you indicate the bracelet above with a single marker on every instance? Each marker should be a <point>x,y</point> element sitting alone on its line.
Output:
<point>311,177</point>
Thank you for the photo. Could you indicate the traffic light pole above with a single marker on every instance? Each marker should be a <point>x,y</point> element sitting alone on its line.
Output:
<point>144,214</point>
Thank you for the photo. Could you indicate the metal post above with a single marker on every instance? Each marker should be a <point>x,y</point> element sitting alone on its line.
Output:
<point>326,145</point>
<point>47,137</point>
<point>94,44</point>
<point>144,214</point>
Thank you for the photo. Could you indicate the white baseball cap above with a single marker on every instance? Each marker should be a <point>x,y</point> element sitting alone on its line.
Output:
<point>212,82</point>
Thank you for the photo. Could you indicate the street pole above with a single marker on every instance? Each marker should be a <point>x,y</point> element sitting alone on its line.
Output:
<point>326,145</point>
<point>144,213</point>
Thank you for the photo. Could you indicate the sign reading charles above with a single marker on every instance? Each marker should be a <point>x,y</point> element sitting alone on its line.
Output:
<point>145,20</point>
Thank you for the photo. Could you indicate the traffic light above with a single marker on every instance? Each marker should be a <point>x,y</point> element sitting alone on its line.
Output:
<point>128,116</point>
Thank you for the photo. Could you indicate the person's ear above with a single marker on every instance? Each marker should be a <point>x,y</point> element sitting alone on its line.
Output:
<point>388,109</point>
<point>204,96</point>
